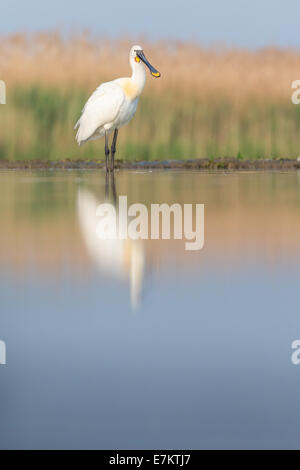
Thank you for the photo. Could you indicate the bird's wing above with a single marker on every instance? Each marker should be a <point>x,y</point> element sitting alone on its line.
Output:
<point>102,107</point>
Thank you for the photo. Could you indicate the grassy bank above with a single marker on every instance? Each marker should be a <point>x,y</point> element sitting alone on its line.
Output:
<point>207,103</point>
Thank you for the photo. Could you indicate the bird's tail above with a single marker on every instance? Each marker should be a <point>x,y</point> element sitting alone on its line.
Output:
<point>78,137</point>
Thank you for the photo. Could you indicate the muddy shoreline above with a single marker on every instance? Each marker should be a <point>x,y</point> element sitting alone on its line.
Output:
<point>197,164</point>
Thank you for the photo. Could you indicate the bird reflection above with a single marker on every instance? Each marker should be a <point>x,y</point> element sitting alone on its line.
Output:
<point>118,258</point>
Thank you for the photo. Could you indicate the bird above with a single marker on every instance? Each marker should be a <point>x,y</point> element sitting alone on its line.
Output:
<point>113,104</point>
<point>116,258</point>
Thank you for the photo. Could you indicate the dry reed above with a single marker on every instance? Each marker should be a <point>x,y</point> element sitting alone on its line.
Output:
<point>209,102</point>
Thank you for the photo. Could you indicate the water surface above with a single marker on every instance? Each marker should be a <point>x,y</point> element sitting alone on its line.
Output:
<point>142,344</point>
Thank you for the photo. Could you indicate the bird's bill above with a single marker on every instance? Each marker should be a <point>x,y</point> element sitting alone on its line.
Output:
<point>155,73</point>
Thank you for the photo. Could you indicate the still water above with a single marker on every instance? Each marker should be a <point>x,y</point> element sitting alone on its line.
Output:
<point>142,344</point>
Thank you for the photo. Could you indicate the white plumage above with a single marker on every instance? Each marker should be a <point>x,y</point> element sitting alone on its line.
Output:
<point>100,112</point>
<point>113,104</point>
<point>121,259</point>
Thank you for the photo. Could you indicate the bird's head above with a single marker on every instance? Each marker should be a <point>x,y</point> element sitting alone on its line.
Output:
<point>137,55</point>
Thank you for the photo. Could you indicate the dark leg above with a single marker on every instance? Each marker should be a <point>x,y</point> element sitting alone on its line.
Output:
<point>113,188</point>
<point>113,150</point>
<point>106,186</point>
<point>106,149</point>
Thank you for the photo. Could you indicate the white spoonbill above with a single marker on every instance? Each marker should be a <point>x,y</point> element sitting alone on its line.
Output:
<point>117,258</point>
<point>113,104</point>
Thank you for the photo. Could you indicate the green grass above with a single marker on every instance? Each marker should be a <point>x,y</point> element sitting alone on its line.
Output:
<point>37,123</point>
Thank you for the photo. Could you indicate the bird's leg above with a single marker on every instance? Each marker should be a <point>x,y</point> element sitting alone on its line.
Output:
<point>113,150</point>
<point>113,188</point>
<point>106,186</point>
<point>106,150</point>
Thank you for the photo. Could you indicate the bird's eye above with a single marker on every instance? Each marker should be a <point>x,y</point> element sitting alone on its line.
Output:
<point>137,59</point>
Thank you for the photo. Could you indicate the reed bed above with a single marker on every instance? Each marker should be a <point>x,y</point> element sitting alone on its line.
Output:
<point>211,102</point>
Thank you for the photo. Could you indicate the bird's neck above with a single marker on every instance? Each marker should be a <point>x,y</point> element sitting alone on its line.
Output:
<point>138,77</point>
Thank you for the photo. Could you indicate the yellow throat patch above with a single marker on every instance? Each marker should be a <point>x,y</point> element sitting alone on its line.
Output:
<point>130,89</point>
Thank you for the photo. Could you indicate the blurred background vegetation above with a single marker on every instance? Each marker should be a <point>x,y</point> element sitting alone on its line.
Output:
<point>212,102</point>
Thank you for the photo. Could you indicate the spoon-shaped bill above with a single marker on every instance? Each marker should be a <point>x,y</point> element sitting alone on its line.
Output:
<point>155,73</point>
